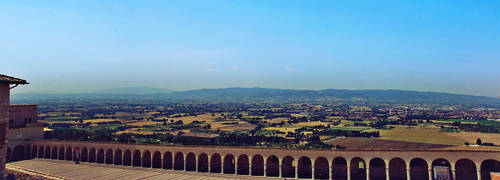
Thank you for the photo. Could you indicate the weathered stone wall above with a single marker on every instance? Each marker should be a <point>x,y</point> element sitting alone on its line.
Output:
<point>4,123</point>
<point>22,114</point>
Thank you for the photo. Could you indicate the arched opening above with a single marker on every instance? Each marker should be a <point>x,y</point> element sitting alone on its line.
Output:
<point>18,153</point>
<point>127,158</point>
<point>136,158</point>
<point>146,159</point>
<point>215,163</point>
<point>167,160</point>
<point>61,153</point>
<point>69,154</point>
<point>109,156</point>
<point>339,168</point>
<point>27,155</point>
<point>84,155</point>
<point>203,163</point>
<point>40,152</point>
<point>258,165</point>
<point>397,169</point>
<point>100,156</point>
<point>444,168</point>
<point>9,156</point>
<point>377,169</point>
<point>157,159</point>
<point>321,168</point>
<point>272,166</point>
<point>34,152</point>
<point>418,169</point>
<point>118,157</point>
<point>74,154</point>
<point>465,169</point>
<point>488,166</point>
<point>228,165</point>
<point>305,167</point>
<point>190,162</point>
<point>47,152</point>
<point>287,168</point>
<point>53,153</point>
<point>243,165</point>
<point>179,161</point>
<point>92,155</point>
<point>358,169</point>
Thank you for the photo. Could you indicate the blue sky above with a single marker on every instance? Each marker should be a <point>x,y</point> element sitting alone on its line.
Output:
<point>83,46</point>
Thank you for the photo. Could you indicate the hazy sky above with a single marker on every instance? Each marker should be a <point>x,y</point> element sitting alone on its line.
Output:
<point>82,46</point>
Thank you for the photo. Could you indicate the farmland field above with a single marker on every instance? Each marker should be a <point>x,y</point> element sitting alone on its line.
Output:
<point>422,135</point>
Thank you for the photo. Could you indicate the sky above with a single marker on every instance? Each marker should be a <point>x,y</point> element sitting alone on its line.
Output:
<point>84,46</point>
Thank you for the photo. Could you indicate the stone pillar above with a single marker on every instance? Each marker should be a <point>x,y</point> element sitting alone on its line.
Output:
<point>478,170</point>
<point>387,173</point>
<point>265,167</point>
<point>4,124</point>
<point>209,164</point>
<point>408,174</point>
<point>280,171</point>
<point>348,171</point>
<point>367,173</point>
<point>430,173</point>
<point>330,169</point>
<point>296,170</point>
<point>454,176</point>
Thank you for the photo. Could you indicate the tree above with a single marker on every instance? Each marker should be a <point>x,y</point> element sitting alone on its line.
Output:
<point>478,141</point>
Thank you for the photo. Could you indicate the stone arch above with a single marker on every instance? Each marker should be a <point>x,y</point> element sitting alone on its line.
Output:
<point>157,159</point>
<point>92,155</point>
<point>190,162</point>
<point>243,165</point>
<point>100,156</point>
<point>441,162</point>
<point>18,153</point>
<point>9,155</point>
<point>229,164</point>
<point>53,153</point>
<point>179,161</point>
<point>272,166</point>
<point>34,152</point>
<point>397,169</point>
<point>287,168</point>
<point>304,167</point>
<point>27,154</point>
<point>487,166</point>
<point>146,159</point>
<point>258,165</point>
<point>40,152</point>
<point>377,169</point>
<point>465,169</point>
<point>69,154</point>
<point>85,155</point>
<point>203,163</point>
<point>118,160</point>
<point>47,152</point>
<point>358,169</point>
<point>127,158</point>
<point>61,153</point>
<point>418,169</point>
<point>109,156</point>
<point>167,160</point>
<point>215,163</point>
<point>76,152</point>
<point>136,158</point>
<point>321,168</point>
<point>339,168</point>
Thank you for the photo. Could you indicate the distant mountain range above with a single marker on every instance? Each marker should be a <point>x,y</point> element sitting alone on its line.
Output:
<point>268,95</point>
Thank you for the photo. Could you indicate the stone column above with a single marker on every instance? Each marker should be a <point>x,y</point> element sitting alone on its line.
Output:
<point>387,173</point>
<point>367,173</point>
<point>280,171</point>
<point>296,171</point>
<point>209,164</point>
<point>478,170</point>
<point>265,167</point>
<point>330,169</point>
<point>453,174</point>
<point>408,174</point>
<point>4,124</point>
<point>430,173</point>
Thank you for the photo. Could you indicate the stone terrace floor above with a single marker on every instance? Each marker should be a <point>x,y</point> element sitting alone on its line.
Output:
<point>59,169</point>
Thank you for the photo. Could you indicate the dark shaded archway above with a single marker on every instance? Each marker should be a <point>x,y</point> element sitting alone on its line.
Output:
<point>258,165</point>
<point>287,168</point>
<point>272,166</point>
<point>443,163</point>
<point>418,169</point>
<point>397,169</point>
<point>118,160</point>
<point>243,165</point>
<point>109,156</point>
<point>488,166</point>
<point>27,155</point>
<point>167,160</point>
<point>304,167</point>
<point>61,153</point>
<point>9,155</point>
<point>229,164</point>
<point>358,169</point>
<point>157,159</point>
<point>179,161</point>
<point>92,155</point>
<point>215,163</point>
<point>34,152</point>
<point>203,163</point>
<point>377,169</point>
<point>465,169</point>
<point>190,162</point>
<point>18,153</point>
<point>321,168</point>
<point>100,156</point>
<point>40,152</point>
<point>136,158</point>
<point>53,153</point>
<point>47,152</point>
<point>339,168</point>
<point>84,155</point>
<point>146,159</point>
<point>127,158</point>
<point>69,154</point>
